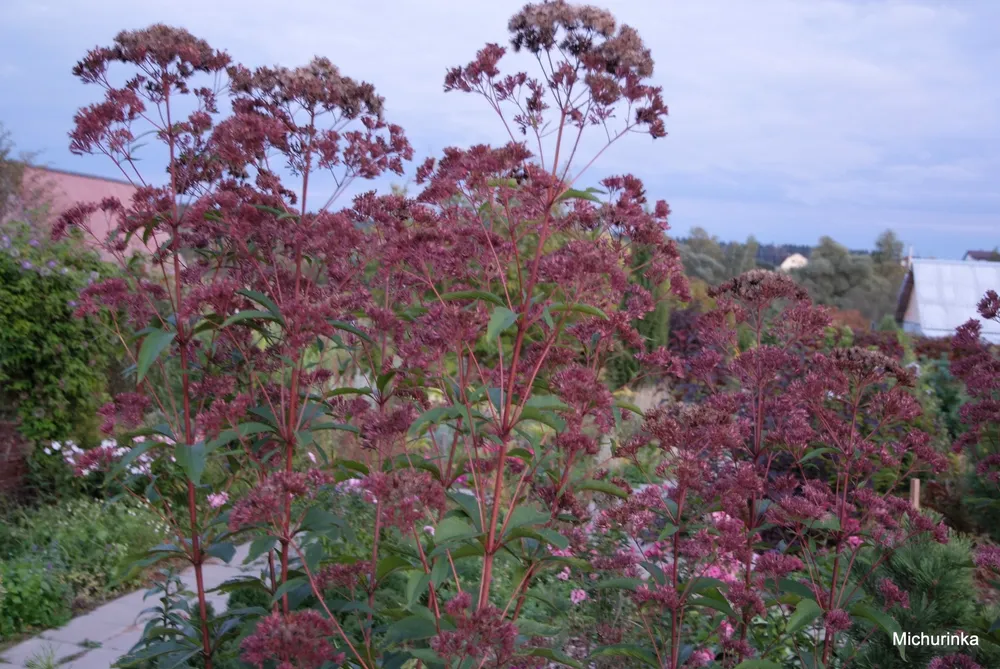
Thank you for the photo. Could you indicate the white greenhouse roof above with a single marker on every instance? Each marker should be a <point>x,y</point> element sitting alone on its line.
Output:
<point>946,293</point>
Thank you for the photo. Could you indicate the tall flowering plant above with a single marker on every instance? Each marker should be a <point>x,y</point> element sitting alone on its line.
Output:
<point>765,497</point>
<point>499,292</point>
<point>976,363</point>
<point>243,281</point>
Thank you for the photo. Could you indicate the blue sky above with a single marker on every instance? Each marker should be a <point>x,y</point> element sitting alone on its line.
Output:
<point>789,119</point>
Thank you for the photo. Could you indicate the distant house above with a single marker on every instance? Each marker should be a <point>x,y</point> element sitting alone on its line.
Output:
<point>939,295</point>
<point>794,261</point>
<point>982,256</point>
<point>60,190</point>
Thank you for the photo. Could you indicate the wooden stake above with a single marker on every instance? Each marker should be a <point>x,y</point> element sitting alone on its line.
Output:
<point>915,493</point>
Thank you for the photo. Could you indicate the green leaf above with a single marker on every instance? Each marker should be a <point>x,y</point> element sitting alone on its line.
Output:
<point>547,317</point>
<point>544,417</point>
<point>318,519</point>
<point>274,211</point>
<point>553,538</point>
<point>545,402</point>
<point>618,584</point>
<point>249,315</point>
<point>347,327</point>
<point>758,664</point>
<point>432,416</point>
<point>622,404</point>
<point>633,651</point>
<point>668,531</point>
<point>454,529</point>
<point>382,380</point>
<point>224,551</point>
<point>579,308</point>
<point>344,427</point>
<point>388,565</point>
<point>532,628</point>
<point>416,583</point>
<point>192,460</point>
<point>883,620</point>
<point>815,453</point>
<point>473,295</point>
<point>288,585</point>
<point>709,601</point>
<point>606,487</point>
<point>806,612</point>
<point>410,628</point>
<point>574,194</point>
<point>795,588</point>
<point>703,583</point>
<point>440,572</point>
<point>542,535</point>
<point>242,430</point>
<point>427,655</point>
<point>349,391</point>
<point>258,547</point>
<point>469,505</point>
<point>264,301</point>
<point>501,319</point>
<point>152,346</point>
<point>831,523</point>
<point>526,515</point>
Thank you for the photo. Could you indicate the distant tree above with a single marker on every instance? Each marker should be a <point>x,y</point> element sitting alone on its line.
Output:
<point>703,257</point>
<point>712,261</point>
<point>22,199</point>
<point>845,280</point>
<point>888,250</point>
<point>741,257</point>
<point>11,175</point>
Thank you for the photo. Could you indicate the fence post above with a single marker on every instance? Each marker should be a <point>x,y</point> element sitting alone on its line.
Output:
<point>915,493</point>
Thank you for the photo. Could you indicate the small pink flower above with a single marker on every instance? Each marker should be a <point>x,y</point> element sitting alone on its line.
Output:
<point>429,530</point>
<point>564,574</point>
<point>311,456</point>
<point>714,572</point>
<point>577,596</point>
<point>854,541</point>
<point>701,658</point>
<point>217,499</point>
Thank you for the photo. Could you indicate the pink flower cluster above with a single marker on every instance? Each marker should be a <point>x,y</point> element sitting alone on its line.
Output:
<point>298,640</point>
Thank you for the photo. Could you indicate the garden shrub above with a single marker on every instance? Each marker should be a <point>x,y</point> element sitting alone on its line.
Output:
<point>54,367</point>
<point>976,364</point>
<point>941,598</point>
<point>34,594</point>
<point>62,558</point>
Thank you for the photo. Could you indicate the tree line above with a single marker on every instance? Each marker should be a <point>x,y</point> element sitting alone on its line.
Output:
<point>861,285</point>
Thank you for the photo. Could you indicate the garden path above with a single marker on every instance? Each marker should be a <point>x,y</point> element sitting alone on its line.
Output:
<point>97,639</point>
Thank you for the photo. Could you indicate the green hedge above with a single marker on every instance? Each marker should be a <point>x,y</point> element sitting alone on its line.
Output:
<point>57,559</point>
<point>53,366</point>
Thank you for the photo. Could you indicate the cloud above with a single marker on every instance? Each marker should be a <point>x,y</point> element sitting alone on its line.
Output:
<point>785,115</point>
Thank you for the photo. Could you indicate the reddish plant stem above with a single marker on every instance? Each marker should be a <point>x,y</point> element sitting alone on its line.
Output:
<point>196,553</point>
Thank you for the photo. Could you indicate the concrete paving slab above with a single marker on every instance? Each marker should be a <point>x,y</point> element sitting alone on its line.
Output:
<point>98,658</point>
<point>19,655</point>
<point>116,625</point>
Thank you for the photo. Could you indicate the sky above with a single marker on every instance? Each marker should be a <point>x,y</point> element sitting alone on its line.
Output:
<point>789,119</point>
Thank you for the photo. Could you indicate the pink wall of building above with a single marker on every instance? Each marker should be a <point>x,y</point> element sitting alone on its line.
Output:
<point>62,190</point>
